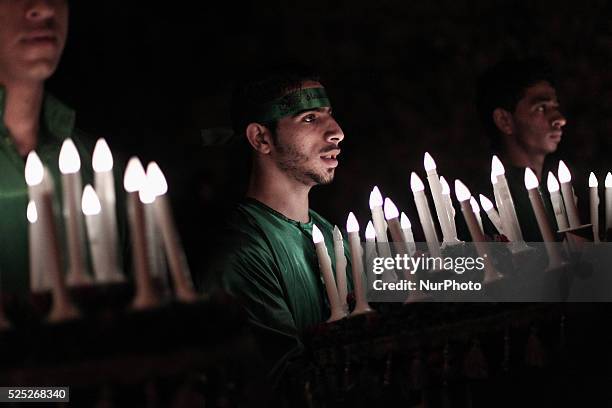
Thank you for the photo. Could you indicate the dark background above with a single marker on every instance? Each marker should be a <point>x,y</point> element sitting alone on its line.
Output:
<point>401,75</point>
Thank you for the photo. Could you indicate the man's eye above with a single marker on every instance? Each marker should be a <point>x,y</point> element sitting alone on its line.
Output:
<point>541,108</point>
<point>309,118</point>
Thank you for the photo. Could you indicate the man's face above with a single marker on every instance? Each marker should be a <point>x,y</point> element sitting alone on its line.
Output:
<point>32,38</point>
<point>306,145</point>
<point>537,122</point>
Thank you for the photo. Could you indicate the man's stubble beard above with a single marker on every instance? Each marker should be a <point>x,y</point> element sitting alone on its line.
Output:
<point>291,162</point>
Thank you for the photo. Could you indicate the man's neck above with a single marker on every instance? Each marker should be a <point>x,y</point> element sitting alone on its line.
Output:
<point>23,103</point>
<point>518,157</point>
<point>280,192</point>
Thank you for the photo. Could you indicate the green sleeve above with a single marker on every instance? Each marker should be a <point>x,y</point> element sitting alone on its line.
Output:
<point>247,271</point>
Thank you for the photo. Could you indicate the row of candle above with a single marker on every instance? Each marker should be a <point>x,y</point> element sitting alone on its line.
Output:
<point>147,209</point>
<point>385,217</point>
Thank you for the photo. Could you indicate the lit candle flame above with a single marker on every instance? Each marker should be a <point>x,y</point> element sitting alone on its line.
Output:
<point>69,160</point>
<point>608,180</point>
<point>552,183</point>
<point>351,223</point>
<point>416,184</point>
<point>134,177</point>
<point>390,209</point>
<point>376,199</point>
<point>429,162</point>
<point>462,192</point>
<point>370,232</point>
<point>317,236</point>
<point>405,222</point>
<point>34,170</point>
<point>147,191</point>
<point>531,181</point>
<point>445,186</point>
<point>497,168</point>
<point>157,179</point>
<point>474,204</point>
<point>593,180</point>
<point>31,212</point>
<point>486,204</point>
<point>90,203</point>
<point>564,173</point>
<point>102,159</point>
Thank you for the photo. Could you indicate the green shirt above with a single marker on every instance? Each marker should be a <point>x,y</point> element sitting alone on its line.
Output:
<point>269,263</point>
<point>56,124</point>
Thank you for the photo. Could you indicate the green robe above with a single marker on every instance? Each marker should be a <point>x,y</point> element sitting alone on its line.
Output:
<point>56,124</point>
<point>269,263</point>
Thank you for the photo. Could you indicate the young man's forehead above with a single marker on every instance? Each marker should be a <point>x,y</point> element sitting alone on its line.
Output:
<point>540,92</point>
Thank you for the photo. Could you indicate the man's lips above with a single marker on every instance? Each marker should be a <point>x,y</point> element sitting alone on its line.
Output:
<point>556,136</point>
<point>330,157</point>
<point>40,37</point>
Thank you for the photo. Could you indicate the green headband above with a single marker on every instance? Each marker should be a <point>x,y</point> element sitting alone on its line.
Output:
<point>292,103</point>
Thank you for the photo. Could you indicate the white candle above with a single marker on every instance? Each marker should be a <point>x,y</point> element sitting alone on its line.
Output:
<point>370,233</point>
<point>133,181</point>
<point>476,210</point>
<point>557,201</point>
<point>487,205</point>
<point>155,251</point>
<point>35,249</point>
<point>408,235</point>
<point>70,165</point>
<point>37,256</point>
<point>565,178</point>
<point>431,237</point>
<point>448,204</point>
<point>436,193</point>
<point>496,197</point>
<point>392,217</point>
<point>325,267</point>
<point>378,217</point>
<point>104,184</point>
<point>380,226</point>
<point>352,227</point>
<point>531,183</point>
<point>40,193</point>
<point>508,216</point>
<point>608,185</point>
<point>179,268</point>
<point>340,268</point>
<point>99,248</point>
<point>594,204</point>
<point>463,196</point>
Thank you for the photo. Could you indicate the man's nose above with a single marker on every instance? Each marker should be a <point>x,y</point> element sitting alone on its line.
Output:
<point>559,121</point>
<point>37,10</point>
<point>334,133</point>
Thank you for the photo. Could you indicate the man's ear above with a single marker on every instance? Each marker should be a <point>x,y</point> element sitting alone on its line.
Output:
<point>503,120</point>
<point>259,137</point>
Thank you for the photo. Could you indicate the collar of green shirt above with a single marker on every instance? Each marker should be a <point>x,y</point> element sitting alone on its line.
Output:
<point>56,118</point>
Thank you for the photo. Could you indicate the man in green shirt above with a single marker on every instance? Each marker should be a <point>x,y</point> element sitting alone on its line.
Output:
<point>267,258</point>
<point>32,38</point>
<point>518,106</point>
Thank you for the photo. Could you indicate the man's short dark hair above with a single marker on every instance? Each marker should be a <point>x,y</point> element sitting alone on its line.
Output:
<point>504,85</point>
<point>264,85</point>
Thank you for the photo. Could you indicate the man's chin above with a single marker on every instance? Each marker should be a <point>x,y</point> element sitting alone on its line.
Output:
<point>552,147</point>
<point>39,69</point>
<point>322,179</point>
